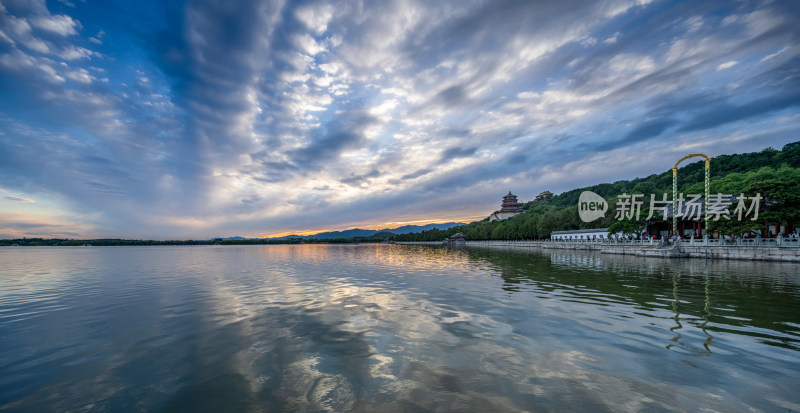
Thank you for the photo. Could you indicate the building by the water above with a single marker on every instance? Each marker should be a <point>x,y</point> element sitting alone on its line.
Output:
<point>690,218</point>
<point>509,208</point>
<point>458,239</point>
<point>580,234</point>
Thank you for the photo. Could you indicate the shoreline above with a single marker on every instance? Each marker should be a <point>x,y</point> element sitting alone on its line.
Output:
<point>717,251</point>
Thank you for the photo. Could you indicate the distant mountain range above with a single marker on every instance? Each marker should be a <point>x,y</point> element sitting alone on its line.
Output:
<point>357,232</point>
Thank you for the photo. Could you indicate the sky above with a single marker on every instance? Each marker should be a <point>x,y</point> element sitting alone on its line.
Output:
<point>197,119</point>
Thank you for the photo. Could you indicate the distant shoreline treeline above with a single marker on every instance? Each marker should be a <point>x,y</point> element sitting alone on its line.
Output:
<point>55,242</point>
<point>334,237</point>
<point>774,174</point>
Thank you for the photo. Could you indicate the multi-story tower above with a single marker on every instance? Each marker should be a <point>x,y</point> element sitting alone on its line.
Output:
<point>508,208</point>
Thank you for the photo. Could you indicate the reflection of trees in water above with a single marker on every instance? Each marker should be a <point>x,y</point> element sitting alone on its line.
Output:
<point>758,299</point>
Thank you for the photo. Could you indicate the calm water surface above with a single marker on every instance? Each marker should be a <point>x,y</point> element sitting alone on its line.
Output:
<point>393,328</point>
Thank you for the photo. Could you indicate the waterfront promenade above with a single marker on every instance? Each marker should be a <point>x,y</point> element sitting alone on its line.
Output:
<point>761,249</point>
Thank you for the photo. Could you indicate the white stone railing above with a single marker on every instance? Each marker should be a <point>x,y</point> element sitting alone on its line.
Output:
<point>784,242</point>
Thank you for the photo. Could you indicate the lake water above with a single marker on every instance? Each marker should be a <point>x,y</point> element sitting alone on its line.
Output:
<point>393,328</point>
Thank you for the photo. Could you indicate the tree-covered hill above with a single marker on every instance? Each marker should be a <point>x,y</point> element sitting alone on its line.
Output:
<point>769,169</point>
<point>690,176</point>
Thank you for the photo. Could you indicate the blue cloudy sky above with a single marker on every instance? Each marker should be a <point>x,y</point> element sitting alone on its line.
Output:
<point>173,120</point>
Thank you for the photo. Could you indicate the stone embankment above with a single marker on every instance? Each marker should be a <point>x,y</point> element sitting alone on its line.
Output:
<point>787,250</point>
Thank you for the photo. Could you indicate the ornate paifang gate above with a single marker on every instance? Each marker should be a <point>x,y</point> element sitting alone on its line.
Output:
<point>675,191</point>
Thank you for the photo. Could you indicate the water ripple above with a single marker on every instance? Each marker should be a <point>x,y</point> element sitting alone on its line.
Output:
<point>387,327</point>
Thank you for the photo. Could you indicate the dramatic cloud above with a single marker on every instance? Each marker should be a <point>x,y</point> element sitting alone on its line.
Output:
<point>205,118</point>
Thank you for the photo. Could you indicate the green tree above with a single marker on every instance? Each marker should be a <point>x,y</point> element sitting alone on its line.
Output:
<point>548,223</point>
<point>734,226</point>
<point>627,226</point>
<point>781,200</point>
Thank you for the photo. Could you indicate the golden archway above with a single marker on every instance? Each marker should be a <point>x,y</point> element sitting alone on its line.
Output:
<point>675,191</point>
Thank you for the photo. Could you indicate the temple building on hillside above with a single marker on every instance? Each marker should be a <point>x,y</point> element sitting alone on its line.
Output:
<point>508,209</point>
<point>544,195</point>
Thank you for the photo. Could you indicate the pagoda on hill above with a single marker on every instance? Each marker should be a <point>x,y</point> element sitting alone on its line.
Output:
<point>508,208</point>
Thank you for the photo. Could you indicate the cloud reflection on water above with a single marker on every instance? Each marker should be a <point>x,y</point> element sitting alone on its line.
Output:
<point>394,328</point>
